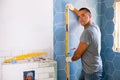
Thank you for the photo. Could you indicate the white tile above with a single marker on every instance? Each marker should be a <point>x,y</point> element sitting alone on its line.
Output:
<point>5,53</point>
<point>46,69</point>
<point>44,65</point>
<point>49,79</point>
<point>43,75</point>
<point>1,60</point>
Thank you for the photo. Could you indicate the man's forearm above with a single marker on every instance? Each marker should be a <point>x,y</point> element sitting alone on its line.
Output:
<point>76,11</point>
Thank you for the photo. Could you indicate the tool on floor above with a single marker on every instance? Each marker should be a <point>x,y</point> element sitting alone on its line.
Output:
<point>67,42</point>
<point>25,56</point>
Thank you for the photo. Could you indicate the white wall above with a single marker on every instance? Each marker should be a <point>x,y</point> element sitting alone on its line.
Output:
<point>25,26</point>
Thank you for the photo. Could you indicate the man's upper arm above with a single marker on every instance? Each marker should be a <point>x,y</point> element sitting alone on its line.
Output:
<point>85,41</point>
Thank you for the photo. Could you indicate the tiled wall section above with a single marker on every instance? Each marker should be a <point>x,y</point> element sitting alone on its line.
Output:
<point>111,59</point>
<point>75,32</point>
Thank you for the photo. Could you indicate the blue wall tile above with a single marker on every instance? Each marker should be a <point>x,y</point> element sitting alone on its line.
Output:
<point>100,0</point>
<point>59,18</point>
<point>103,21</point>
<point>103,8</point>
<point>60,62</point>
<point>109,40</point>
<point>59,32</point>
<point>103,47</point>
<point>108,77</point>
<point>109,28</point>
<point>116,62</point>
<point>72,77</point>
<point>116,75</point>
<point>102,33</point>
<point>109,3</point>
<point>61,75</point>
<point>109,69</point>
<point>109,54</point>
<point>59,48</point>
<point>59,6</point>
<point>74,67</point>
<point>109,12</point>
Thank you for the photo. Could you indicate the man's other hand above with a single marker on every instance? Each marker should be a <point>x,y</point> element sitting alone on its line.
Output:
<point>71,7</point>
<point>68,59</point>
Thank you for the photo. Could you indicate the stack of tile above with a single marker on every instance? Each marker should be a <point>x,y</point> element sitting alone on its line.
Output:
<point>38,70</point>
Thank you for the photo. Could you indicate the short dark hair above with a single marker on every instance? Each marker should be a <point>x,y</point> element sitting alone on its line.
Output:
<point>85,9</point>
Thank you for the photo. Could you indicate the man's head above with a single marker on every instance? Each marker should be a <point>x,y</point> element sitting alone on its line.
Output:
<point>84,17</point>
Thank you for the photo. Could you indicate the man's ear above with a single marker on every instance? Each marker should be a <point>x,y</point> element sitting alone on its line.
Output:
<point>90,15</point>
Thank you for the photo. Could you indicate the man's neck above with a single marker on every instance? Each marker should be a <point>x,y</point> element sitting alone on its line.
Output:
<point>87,25</point>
